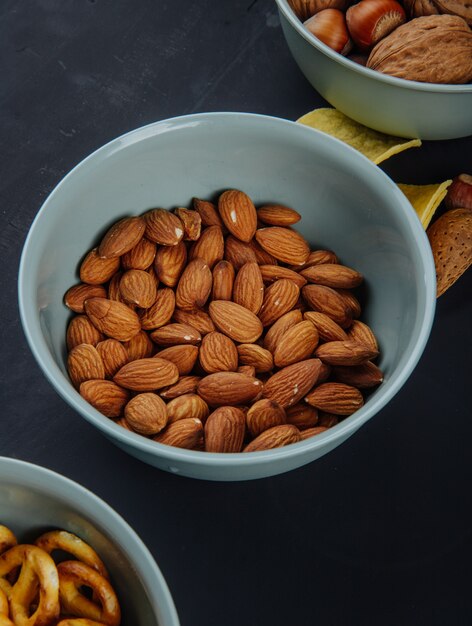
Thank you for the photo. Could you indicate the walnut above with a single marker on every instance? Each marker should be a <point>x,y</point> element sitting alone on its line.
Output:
<point>431,49</point>
<point>418,8</point>
<point>304,9</point>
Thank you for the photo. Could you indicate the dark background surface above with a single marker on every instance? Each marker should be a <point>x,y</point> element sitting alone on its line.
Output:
<point>377,532</point>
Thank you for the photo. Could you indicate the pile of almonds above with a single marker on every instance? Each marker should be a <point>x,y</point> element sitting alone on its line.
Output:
<point>422,40</point>
<point>218,329</point>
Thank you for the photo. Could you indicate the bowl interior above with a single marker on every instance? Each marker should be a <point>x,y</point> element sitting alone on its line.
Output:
<point>347,204</point>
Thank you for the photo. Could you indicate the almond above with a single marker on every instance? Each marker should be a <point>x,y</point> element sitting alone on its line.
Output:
<point>336,398</point>
<point>114,292</point>
<point>223,280</point>
<point>302,416</point>
<point>138,287</point>
<point>76,296</point>
<point>325,373</point>
<point>186,433</point>
<point>192,223</point>
<point>170,263</point>
<point>238,214</point>
<point>238,253</point>
<point>278,215</point>
<point>84,363</point>
<point>114,319</point>
<point>248,290</point>
<point>225,429</point>
<point>327,328</point>
<point>228,388</point>
<point>328,301</point>
<point>146,414</point>
<point>279,327</point>
<point>262,257</point>
<point>218,353</point>
<point>147,374</point>
<point>333,275</point>
<point>163,227</point>
<point>186,384</point>
<point>208,213</point>
<point>210,247</point>
<point>237,322</point>
<point>279,298</point>
<point>122,237</point>
<point>105,396</point>
<point>317,257</point>
<point>351,301</point>
<point>187,405</point>
<point>362,376</point>
<point>81,330</point>
<point>200,320</point>
<point>139,347</point>
<point>264,414</point>
<point>271,273</point>
<point>113,354</point>
<point>345,353</point>
<point>183,356</point>
<point>296,344</point>
<point>161,312</point>
<point>362,333</point>
<point>290,384</point>
<point>284,244</point>
<point>194,285</point>
<point>124,424</point>
<point>275,437</point>
<point>328,420</point>
<point>247,370</point>
<point>95,270</point>
<point>176,334</point>
<point>141,256</point>
<point>252,354</point>
<point>312,432</point>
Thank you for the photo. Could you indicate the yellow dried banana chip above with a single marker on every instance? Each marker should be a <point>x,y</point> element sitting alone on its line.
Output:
<point>425,199</point>
<point>374,145</point>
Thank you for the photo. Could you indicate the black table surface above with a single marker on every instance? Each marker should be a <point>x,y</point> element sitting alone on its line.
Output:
<point>376,532</point>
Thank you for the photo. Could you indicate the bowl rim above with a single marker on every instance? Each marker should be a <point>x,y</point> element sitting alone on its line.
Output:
<point>21,472</point>
<point>123,437</point>
<point>414,85</point>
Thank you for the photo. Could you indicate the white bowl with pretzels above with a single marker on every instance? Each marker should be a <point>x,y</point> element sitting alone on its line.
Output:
<point>57,539</point>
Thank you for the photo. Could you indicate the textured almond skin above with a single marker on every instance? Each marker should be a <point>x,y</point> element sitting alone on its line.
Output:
<point>238,253</point>
<point>191,221</point>
<point>200,320</point>
<point>302,416</point>
<point>113,354</point>
<point>75,296</point>
<point>256,356</point>
<point>317,257</point>
<point>122,237</point>
<point>160,312</point>
<point>290,384</point>
<point>105,396</point>
<point>360,332</point>
<point>139,347</point>
<point>336,398</point>
<point>187,405</point>
<point>432,49</point>
<point>210,247</point>
<point>141,256</point>
<point>333,275</point>
<point>147,374</point>
<point>279,327</point>
<point>238,214</point>
<point>113,319</point>
<point>296,344</point>
<point>312,432</point>
<point>417,8</point>
<point>176,334</point>
<point>194,285</point>
<point>327,328</point>
<point>247,370</point>
<point>208,213</point>
<point>327,301</point>
<point>81,330</point>
<point>248,290</point>
<point>95,270</point>
<point>362,376</point>
<point>218,353</point>
<point>225,429</point>
<point>264,414</point>
<point>183,356</point>
<point>84,363</point>
<point>114,287</point>
<point>163,227</point>
<point>223,280</point>
<point>262,256</point>
<point>146,414</point>
<point>275,437</point>
<point>452,230</point>
<point>328,420</point>
<point>185,384</point>
<point>169,263</point>
<point>138,287</point>
<point>345,353</point>
<point>279,298</point>
<point>284,244</point>
<point>278,215</point>
<point>185,433</point>
<point>235,321</point>
<point>271,273</point>
<point>228,388</point>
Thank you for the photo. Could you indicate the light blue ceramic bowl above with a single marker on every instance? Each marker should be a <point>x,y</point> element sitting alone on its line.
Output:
<point>347,204</point>
<point>34,500</point>
<point>388,104</point>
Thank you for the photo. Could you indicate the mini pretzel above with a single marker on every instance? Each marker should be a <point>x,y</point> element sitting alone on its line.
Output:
<point>4,610</point>
<point>7,539</point>
<point>72,576</point>
<point>62,540</point>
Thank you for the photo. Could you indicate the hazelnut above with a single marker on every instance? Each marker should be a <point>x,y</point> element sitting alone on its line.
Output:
<point>329,26</point>
<point>369,21</point>
<point>459,193</point>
